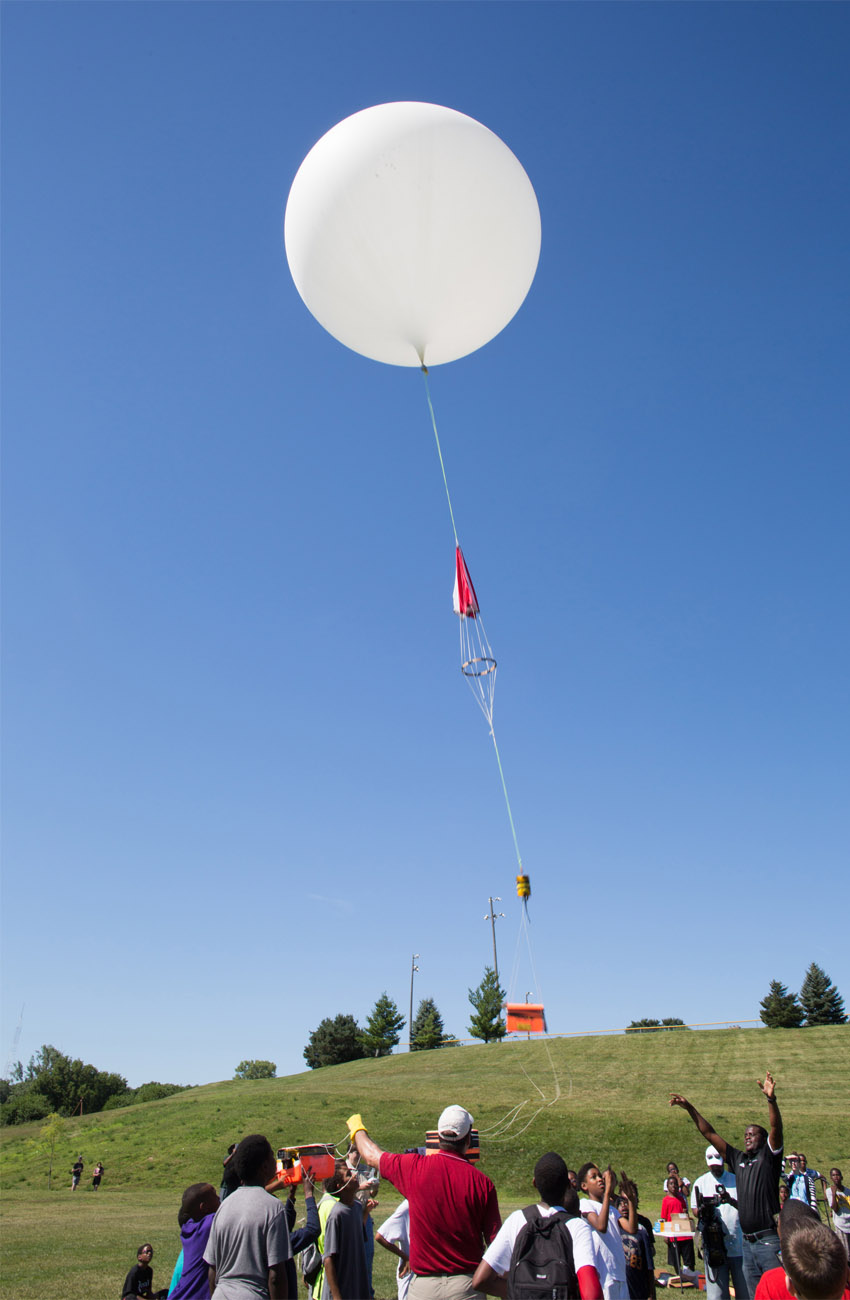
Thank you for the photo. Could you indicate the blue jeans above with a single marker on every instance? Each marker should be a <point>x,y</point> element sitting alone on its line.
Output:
<point>759,1257</point>
<point>717,1280</point>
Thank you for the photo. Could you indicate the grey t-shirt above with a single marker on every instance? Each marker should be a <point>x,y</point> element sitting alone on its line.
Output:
<point>248,1237</point>
<point>344,1239</point>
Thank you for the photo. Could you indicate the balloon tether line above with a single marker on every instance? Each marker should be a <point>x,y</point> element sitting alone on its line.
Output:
<point>439,450</point>
<point>512,1116</point>
<point>457,543</point>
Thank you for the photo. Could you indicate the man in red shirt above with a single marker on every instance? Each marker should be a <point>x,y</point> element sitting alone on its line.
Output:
<point>454,1211</point>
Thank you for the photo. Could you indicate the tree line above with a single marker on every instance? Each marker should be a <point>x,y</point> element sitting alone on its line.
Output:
<point>55,1084</point>
<point>339,1038</point>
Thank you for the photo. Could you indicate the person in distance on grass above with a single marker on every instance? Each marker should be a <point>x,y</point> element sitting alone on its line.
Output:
<point>249,1244</point>
<point>454,1209</point>
<point>97,1174</point>
<point>76,1173</point>
<point>138,1284</point>
<point>190,1280</point>
<point>598,1191</point>
<point>815,1271</point>
<point>757,1170</point>
<point>551,1181</point>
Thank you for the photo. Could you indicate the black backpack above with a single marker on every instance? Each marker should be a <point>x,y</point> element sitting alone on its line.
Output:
<point>542,1266</point>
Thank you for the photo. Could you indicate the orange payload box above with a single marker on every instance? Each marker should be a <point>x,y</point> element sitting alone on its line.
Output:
<point>526,1018</point>
<point>317,1159</point>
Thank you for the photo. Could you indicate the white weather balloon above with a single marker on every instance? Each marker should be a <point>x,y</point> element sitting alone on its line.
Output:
<point>412,233</point>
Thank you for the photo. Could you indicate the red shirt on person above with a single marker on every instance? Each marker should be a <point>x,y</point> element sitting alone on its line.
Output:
<point>454,1210</point>
<point>772,1286</point>
<point>674,1205</point>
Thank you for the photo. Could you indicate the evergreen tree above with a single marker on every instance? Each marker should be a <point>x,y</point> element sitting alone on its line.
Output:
<point>820,999</point>
<point>427,1030</point>
<point>334,1042</point>
<point>780,1009</point>
<point>383,1028</point>
<point>487,1000</point>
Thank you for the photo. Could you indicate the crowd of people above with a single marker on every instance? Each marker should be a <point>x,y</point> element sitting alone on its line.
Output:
<point>583,1238</point>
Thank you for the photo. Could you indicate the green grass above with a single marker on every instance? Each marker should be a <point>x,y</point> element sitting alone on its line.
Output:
<point>613,1106</point>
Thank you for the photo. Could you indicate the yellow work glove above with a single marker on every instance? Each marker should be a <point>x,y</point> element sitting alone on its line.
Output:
<point>355,1125</point>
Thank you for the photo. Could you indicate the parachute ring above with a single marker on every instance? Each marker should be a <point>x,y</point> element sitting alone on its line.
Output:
<point>480,666</point>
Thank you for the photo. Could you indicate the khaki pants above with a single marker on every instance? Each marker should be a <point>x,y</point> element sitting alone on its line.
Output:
<point>443,1286</point>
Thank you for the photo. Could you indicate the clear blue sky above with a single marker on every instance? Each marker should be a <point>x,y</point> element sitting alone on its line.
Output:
<point>243,778</point>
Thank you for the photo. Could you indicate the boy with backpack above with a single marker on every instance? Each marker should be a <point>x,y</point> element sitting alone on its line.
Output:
<point>545,1250</point>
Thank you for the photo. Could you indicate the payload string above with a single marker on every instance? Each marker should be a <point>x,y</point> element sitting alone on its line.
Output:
<point>487,714</point>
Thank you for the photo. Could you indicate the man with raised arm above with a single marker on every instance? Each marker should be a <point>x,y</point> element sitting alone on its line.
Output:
<point>454,1211</point>
<point>757,1169</point>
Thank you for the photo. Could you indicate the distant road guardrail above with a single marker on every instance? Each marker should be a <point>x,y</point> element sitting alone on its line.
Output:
<point>598,1033</point>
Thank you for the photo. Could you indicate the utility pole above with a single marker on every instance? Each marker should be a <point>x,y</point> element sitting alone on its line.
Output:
<point>413,967</point>
<point>493,917</point>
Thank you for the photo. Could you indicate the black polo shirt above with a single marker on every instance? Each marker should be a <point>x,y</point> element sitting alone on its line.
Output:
<point>757,1177</point>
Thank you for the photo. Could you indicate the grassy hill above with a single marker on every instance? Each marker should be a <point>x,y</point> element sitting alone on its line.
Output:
<point>613,1105</point>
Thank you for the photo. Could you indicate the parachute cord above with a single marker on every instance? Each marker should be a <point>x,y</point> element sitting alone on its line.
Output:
<point>504,1123</point>
<point>507,802</point>
<point>439,449</point>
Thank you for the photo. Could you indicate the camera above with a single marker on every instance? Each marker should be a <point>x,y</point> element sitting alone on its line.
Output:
<point>709,1224</point>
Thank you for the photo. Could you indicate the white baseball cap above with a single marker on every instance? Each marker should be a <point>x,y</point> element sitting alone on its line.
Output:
<point>713,1156</point>
<point>455,1122</point>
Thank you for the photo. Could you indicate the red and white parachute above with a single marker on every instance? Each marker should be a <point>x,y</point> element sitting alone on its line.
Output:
<point>476,658</point>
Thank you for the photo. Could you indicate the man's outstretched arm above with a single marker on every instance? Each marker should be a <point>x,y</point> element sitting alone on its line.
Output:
<point>701,1123</point>
<point>774,1137</point>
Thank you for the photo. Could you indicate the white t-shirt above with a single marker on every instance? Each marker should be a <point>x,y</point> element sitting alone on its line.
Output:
<point>397,1230</point>
<point>609,1256</point>
<point>498,1253</point>
<point>841,1211</point>
<point>728,1215</point>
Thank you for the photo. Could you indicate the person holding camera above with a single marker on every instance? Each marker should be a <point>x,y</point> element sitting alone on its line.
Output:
<point>713,1201</point>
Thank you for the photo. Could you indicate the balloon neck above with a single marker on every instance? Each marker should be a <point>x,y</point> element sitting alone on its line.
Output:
<point>424,368</point>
